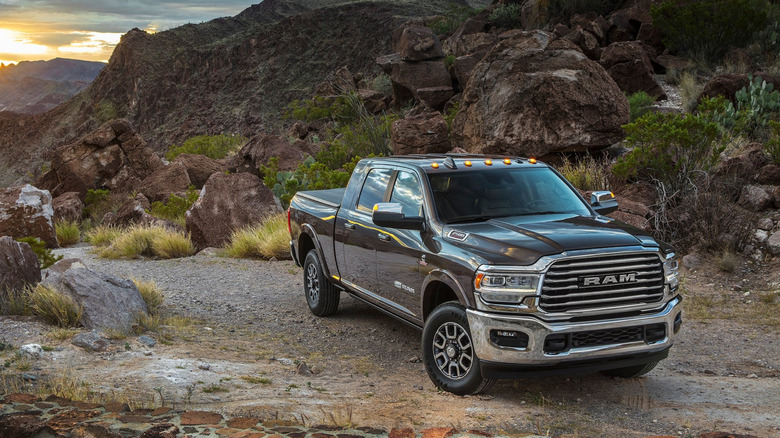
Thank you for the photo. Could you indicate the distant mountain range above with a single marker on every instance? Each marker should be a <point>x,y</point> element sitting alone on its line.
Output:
<point>33,87</point>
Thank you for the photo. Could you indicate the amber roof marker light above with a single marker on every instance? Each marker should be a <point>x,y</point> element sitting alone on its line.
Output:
<point>467,163</point>
<point>507,161</point>
<point>488,162</point>
<point>435,165</point>
<point>532,160</point>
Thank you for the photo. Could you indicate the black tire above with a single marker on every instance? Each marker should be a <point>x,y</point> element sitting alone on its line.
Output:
<point>321,295</point>
<point>448,352</point>
<point>634,371</point>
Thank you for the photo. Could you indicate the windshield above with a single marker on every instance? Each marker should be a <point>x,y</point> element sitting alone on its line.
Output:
<point>479,195</point>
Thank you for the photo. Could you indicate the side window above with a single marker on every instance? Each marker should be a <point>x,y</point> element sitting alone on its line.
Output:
<point>408,193</point>
<point>373,191</point>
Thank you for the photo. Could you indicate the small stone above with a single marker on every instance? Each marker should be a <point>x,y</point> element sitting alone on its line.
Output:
<point>148,353</point>
<point>146,340</point>
<point>691,261</point>
<point>204,366</point>
<point>33,351</point>
<point>752,376</point>
<point>194,418</point>
<point>29,377</point>
<point>765,223</point>
<point>415,359</point>
<point>303,369</point>
<point>91,341</point>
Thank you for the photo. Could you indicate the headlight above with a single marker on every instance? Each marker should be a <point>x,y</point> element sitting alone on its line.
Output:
<point>671,270</point>
<point>505,288</point>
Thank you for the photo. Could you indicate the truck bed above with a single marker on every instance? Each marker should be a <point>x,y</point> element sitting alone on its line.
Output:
<point>330,197</point>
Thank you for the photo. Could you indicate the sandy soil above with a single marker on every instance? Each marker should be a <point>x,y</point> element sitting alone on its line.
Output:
<point>251,330</point>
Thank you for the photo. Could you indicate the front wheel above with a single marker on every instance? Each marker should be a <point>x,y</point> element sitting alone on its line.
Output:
<point>321,295</point>
<point>448,352</point>
<point>634,371</point>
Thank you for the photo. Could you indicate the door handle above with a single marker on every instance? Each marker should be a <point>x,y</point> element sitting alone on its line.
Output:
<point>383,237</point>
<point>349,226</point>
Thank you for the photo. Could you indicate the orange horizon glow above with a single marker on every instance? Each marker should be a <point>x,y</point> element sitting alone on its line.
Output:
<point>17,46</point>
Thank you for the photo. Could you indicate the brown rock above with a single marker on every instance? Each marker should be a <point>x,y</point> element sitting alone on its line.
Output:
<point>200,167</point>
<point>436,97</point>
<point>419,43</point>
<point>132,211</point>
<point>260,149</point>
<point>21,425</point>
<point>101,137</point>
<point>420,134</point>
<point>374,101</point>
<point>402,433</point>
<point>533,95</point>
<point>439,432</point>
<point>724,85</point>
<point>68,207</point>
<point>769,174</point>
<point>161,431</point>
<point>387,62</point>
<point>67,420</point>
<point>299,130</point>
<point>408,77</point>
<point>593,24</point>
<point>27,212</point>
<point>228,203</point>
<point>776,197</point>
<point>726,435</point>
<point>470,44</point>
<point>561,29</point>
<point>620,29</point>
<point>651,36</point>
<point>93,431</point>
<point>166,180</point>
<point>671,62</point>
<point>633,77</point>
<point>116,407</point>
<point>585,40</point>
<point>195,418</point>
<point>755,198</point>
<point>338,82</point>
<point>26,399</point>
<point>19,267</point>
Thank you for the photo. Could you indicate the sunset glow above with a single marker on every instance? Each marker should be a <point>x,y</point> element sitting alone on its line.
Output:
<point>17,43</point>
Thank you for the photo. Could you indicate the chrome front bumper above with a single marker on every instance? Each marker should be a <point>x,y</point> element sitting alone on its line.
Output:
<point>482,323</point>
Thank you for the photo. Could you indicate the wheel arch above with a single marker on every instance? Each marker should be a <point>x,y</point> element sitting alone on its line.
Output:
<point>306,242</point>
<point>440,287</point>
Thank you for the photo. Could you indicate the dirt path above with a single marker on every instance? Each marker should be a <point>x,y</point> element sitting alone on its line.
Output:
<point>252,331</point>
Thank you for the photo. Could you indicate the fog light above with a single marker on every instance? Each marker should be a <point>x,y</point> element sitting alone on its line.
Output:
<point>509,338</point>
<point>556,344</point>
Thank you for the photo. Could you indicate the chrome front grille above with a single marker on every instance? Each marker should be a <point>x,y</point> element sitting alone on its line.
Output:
<point>602,281</point>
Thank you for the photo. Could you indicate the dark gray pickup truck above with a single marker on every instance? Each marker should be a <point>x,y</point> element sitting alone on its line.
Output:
<point>505,267</point>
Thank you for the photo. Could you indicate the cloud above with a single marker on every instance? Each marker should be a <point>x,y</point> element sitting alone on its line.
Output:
<point>57,39</point>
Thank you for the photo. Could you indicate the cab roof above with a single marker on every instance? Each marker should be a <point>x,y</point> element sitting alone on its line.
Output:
<point>432,163</point>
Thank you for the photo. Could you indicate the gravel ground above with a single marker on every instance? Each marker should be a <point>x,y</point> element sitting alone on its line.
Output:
<point>252,331</point>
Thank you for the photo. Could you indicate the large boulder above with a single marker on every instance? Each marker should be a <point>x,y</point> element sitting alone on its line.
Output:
<point>260,149</point>
<point>111,157</point>
<point>27,212</point>
<point>166,180</point>
<point>228,203</point>
<point>419,43</point>
<point>200,167</point>
<point>420,134</point>
<point>629,65</point>
<point>109,302</point>
<point>132,211</point>
<point>19,266</point>
<point>409,77</point>
<point>534,95</point>
<point>68,207</point>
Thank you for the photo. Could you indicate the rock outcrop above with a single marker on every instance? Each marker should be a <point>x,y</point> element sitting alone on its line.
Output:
<point>535,95</point>
<point>166,180</point>
<point>27,212</point>
<point>108,302</point>
<point>420,134</point>
<point>199,167</point>
<point>260,149</point>
<point>112,157</point>
<point>68,207</point>
<point>19,266</point>
<point>629,65</point>
<point>228,203</point>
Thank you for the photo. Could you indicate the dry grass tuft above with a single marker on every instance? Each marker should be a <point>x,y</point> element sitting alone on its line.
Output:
<point>54,307</point>
<point>102,235</point>
<point>587,173</point>
<point>151,294</point>
<point>266,240</point>
<point>68,233</point>
<point>149,241</point>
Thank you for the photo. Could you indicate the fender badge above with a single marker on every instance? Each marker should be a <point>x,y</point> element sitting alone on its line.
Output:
<point>422,261</point>
<point>457,235</point>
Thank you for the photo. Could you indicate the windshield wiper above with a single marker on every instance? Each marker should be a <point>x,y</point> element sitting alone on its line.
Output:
<point>472,218</point>
<point>541,212</point>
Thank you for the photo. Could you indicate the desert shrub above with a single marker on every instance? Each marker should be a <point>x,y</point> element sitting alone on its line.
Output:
<point>151,241</point>
<point>562,10</point>
<point>449,60</point>
<point>212,146</point>
<point>102,235</point>
<point>453,17</point>
<point>175,207</point>
<point>707,29</point>
<point>383,84</point>
<point>105,111</point>
<point>587,173</point>
<point>14,302</point>
<point>151,294</point>
<point>756,105</point>
<point>45,256</point>
<point>772,147</point>
<point>671,149</point>
<point>640,104</point>
<point>727,262</point>
<point>68,233</point>
<point>319,107</point>
<point>310,175</point>
<point>268,239</point>
<point>690,89</point>
<point>54,307</point>
<point>449,115</point>
<point>507,15</point>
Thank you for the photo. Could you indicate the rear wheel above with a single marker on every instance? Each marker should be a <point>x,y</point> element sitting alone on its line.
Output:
<point>634,371</point>
<point>448,352</point>
<point>321,295</point>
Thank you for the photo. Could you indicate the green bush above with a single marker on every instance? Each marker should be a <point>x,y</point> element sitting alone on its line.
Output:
<point>320,107</point>
<point>451,19</point>
<point>310,175</point>
<point>45,255</point>
<point>176,206</point>
<point>707,29</point>
<point>757,105</point>
<point>772,147</point>
<point>212,146</point>
<point>586,173</point>
<point>562,10</point>
<point>507,16</point>
<point>670,149</point>
<point>68,233</point>
<point>640,104</point>
<point>266,240</point>
<point>105,111</point>
<point>449,115</point>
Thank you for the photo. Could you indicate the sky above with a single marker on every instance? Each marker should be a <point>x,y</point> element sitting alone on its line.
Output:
<point>89,29</point>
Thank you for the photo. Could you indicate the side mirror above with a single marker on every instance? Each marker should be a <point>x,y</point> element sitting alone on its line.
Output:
<point>390,215</point>
<point>603,202</point>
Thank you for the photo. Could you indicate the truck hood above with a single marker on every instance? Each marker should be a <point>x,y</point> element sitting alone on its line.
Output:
<point>522,240</point>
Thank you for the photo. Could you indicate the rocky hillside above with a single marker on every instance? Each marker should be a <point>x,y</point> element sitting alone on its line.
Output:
<point>34,87</point>
<point>229,75</point>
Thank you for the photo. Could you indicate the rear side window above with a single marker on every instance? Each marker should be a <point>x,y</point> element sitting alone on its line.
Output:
<point>373,191</point>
